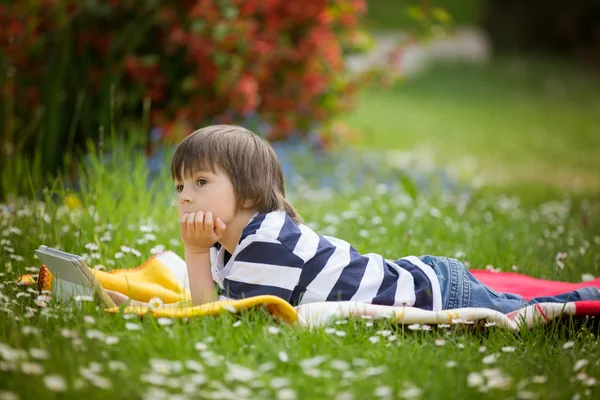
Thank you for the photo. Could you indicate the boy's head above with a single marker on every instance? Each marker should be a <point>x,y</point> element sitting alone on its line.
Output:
<point>248,161</point>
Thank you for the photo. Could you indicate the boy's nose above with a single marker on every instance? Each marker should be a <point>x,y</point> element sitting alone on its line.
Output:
<point>185,199</point>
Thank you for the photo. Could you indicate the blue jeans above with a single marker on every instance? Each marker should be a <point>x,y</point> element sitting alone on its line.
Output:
<point>461,289</point>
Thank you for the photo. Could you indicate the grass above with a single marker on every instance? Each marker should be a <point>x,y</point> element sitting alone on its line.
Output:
<point>532,121</point>
<point>516,222</point>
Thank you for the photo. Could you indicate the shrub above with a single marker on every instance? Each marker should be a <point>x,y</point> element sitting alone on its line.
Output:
<point>73,66</point>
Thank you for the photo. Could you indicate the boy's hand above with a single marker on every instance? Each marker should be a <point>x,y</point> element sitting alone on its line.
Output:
<point>199,231</point>
<point>117,298</point>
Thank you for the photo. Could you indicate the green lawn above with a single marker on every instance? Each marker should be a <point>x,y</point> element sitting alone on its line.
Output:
<point>531,121</point>
<point>505,119</point>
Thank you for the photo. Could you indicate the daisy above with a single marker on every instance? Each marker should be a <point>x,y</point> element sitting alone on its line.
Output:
<point>115,365</point>
<point>286,394</point>
<point>95,334</point>
<point>132,326</point>
<point>283,357</point>
<point>273,330</point>
<point>111,340</point>
<point>39,354</point>
<point>30,368</point>
<point>164,321</point>
<point>55,383</point>
<point>8,395</point>
<point>155,302</point>
<point>383,391</point>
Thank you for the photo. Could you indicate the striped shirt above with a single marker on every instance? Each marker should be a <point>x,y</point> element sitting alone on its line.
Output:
<point>277,257</point>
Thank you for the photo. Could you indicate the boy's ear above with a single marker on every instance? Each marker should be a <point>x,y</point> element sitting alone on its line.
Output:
<point>249,204</point>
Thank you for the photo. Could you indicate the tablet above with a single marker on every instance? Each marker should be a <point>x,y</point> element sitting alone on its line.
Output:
<point>71,276</point>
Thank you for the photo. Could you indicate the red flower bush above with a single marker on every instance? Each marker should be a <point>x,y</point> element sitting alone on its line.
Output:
<point>193,61</point>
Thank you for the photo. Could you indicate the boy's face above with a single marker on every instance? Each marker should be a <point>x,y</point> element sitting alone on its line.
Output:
<point>207,191</point>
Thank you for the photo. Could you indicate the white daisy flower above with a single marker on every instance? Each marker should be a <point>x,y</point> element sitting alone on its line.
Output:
<point>164,321</point>
<point>383,391</point>
<point>39,354</point>
<point>194,365</point>
<point>30,368</point>
<point>4,395</point>
<point>492,358</point>
<point>101,382</point>
<point>312,362</point>
<point>266,367</point>
<point>157,249</point>
<point>340,365</point>
<point>201,346</point>
<point>239,373</point>
<point>132,326</point>
<point>373,371</point>
<point>344,396</point>
<point>30,330</point>
<point>286,394</point>
<point>115,365</point>
<point>283,357</point>
<point>95,334</point>
<point>273,330</point>
<point>111,340</point>
<point>155,302</point>
<point>55,383</point>
<point>230,308</point>
<point>474,379</point>
<point>81,298</point>
<point>580,364</point>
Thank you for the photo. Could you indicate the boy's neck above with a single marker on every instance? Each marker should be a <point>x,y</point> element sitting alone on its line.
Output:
<point>234,229</point>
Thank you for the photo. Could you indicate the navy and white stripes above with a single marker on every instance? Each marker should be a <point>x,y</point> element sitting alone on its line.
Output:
<point>277,257</point>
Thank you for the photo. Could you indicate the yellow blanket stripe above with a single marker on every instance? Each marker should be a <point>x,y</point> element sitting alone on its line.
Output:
<point>277,307</point>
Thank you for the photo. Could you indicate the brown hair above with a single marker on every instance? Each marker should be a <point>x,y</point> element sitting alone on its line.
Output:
<point>249,161</point>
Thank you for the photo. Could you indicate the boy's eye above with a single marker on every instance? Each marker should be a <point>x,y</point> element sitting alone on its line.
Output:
<point>178,188</point>
<point>201,181</point>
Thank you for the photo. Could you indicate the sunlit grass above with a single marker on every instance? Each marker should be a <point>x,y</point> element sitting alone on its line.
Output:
<point>514,121</point>
<point>47,347</point>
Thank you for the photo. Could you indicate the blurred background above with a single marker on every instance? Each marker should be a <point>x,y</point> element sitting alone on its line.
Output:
<point>483,91</point>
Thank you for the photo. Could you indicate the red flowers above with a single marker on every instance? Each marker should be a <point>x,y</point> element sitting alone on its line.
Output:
<point>196,60</point>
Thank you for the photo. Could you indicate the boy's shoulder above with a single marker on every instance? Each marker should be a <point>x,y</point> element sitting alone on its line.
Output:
<point>273,226</point>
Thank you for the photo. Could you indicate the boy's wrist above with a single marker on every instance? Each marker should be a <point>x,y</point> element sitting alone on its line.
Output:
<point>197,251</point>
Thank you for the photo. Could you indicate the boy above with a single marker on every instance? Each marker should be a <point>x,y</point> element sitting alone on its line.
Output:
<point>239,231</point>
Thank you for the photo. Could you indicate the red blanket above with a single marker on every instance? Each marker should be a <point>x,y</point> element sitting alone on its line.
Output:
<point>527,286</point>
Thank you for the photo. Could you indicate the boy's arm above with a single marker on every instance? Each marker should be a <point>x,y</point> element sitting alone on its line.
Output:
<point>202,287</point>
<point>199,232</point>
